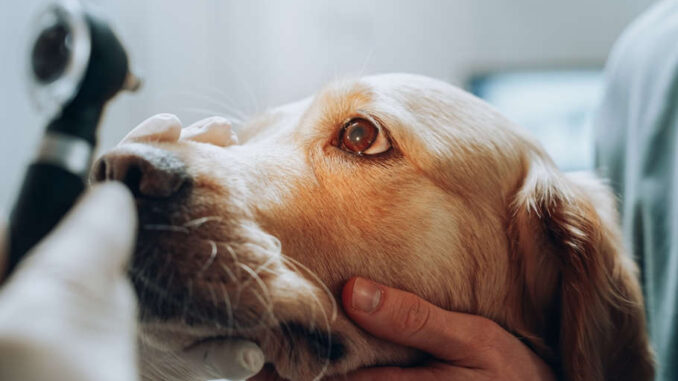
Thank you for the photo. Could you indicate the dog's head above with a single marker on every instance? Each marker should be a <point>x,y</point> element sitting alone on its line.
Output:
<point>398,178</point>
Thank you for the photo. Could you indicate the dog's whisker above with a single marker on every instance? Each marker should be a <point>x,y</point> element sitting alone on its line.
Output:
<point>366,62</point>
<point>265,265</point>
<point>215,302</point>
<point>223,103</point>
<point>201,221</point>
<point>138,273</point>
<point>228,272</point>
<point>210,260</point>
<point>168,366</point>
<point>258,280</point>
<point>225,98</point>
<point>325,319</point>
<point>246,86</point>
<point>236,282</point>
<point>202,98</point>
<point>211,112</point>
<point>171,300</point>
<point>286,332</point>
<point>309,292</point>
<point>277,245</point>
<point>328,331</point>
<point>152,286</point>
<point>157,282</point>
<point>268,306</point>
<point>229,309</point>
<point>234,257</point>
<point>319,281</point>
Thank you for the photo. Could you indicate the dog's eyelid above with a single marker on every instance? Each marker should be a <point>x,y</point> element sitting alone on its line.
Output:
<point>361,114</point>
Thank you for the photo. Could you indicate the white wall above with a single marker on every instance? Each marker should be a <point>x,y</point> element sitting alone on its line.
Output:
<point>203,57</point>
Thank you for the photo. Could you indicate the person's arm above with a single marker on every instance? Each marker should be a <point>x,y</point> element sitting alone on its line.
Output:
<point>464,347</point>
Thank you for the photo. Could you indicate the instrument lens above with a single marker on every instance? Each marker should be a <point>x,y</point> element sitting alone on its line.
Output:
<point>52,52</point>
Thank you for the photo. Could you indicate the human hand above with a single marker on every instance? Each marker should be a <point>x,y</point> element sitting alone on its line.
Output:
<point>68,311</point>
<point>464,347</point>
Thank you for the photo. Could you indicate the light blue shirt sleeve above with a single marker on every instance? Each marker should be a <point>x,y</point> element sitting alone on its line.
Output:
<point>637,150</point>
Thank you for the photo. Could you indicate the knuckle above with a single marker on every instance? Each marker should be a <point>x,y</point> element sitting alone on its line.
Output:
<point>411,315</point>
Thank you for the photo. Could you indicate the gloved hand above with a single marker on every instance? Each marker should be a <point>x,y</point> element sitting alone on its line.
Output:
<point>68,312</point>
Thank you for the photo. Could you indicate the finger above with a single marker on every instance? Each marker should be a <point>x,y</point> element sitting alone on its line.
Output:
<point>158,128</point>
<point>94,241</point>
<point>404,318</point>
<point>215,130</point>
<point>231,359</point>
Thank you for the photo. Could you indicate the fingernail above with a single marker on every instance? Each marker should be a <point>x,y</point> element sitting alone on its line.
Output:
<point>252,359</point>
<point>366,295</point>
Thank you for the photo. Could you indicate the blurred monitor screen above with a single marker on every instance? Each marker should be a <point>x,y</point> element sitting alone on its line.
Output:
<point>555,106</point>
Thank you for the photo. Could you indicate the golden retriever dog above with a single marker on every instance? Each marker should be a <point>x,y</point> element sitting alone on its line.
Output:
<point>398,178</point>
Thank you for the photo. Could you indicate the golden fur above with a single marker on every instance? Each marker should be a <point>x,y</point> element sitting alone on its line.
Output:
<point>465,211</point>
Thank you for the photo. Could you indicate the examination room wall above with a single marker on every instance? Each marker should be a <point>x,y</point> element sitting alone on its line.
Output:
<point>205,57</point>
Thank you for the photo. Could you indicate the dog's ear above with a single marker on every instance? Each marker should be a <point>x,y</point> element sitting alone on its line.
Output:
<point>577,278</point>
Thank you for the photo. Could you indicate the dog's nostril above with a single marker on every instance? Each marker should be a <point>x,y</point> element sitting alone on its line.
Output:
<point>146,171</point>
<point>132,179</point>
<point>99,171</point>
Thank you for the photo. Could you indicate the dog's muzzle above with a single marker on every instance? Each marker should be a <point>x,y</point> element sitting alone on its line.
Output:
<point>147,171</point>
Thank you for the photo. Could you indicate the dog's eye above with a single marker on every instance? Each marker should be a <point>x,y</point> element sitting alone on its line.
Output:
<point>363,137</point>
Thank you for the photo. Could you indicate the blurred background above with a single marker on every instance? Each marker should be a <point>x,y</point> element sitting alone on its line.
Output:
<point>538,61</point>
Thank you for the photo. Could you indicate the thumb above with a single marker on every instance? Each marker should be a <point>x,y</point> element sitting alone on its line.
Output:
<point>94,241</point>
<point>406,319</point>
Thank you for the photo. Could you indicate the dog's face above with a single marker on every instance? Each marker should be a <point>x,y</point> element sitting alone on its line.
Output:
<point>401,179</point>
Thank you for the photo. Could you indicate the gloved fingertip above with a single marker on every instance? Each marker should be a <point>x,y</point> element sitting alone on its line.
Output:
<point>252,358</point>
<point>231,359</point>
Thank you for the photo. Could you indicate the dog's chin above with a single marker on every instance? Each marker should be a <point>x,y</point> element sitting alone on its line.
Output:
<point>194,289</point>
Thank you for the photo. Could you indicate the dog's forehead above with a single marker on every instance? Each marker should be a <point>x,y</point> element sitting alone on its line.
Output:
<point>421,115</point>
<point>384,92</point>
<point>274,122</point>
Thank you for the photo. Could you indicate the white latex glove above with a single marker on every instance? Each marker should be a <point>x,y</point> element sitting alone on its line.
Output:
<point>69,311</point>
<point>232,359</point>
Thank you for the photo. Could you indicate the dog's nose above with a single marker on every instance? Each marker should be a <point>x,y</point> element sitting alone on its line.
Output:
<point>146,170</point>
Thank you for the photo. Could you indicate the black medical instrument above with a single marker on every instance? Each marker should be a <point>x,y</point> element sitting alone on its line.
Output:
<point>77,66</point>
